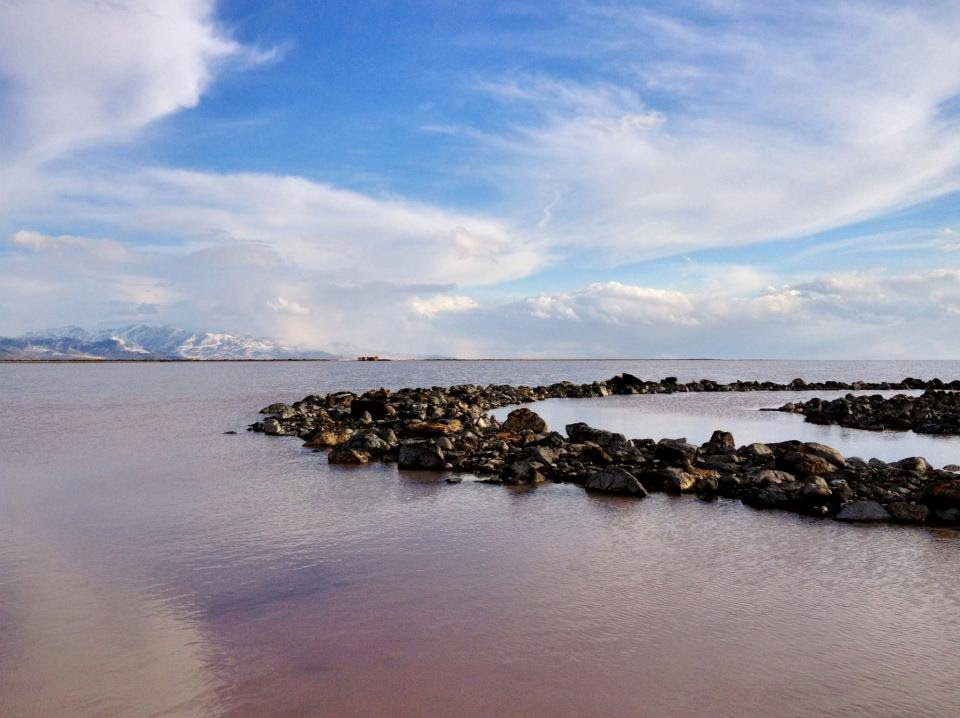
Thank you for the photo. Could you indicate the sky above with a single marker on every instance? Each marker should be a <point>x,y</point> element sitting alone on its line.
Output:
<point>721,178</point>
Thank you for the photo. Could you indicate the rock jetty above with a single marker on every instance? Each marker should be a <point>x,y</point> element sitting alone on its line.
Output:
<point>450,429</point>
<point>933,412</point>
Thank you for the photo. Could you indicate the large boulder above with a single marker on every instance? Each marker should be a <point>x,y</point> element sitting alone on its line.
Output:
<point>615,481</point>
<point>864,512</point>
<point>722,440</point>
<point>524,420</point>
<point>421,455</point>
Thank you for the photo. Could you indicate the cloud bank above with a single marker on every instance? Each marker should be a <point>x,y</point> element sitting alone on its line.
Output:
<point>619,134</point>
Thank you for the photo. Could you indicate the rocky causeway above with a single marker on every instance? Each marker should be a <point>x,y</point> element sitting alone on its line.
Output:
<point>449,429</point>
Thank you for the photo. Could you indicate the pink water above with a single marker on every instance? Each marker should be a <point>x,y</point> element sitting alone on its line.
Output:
<point>150,565</point>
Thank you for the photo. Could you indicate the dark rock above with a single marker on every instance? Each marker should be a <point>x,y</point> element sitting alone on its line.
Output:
<point>615,481</point>
<point>904,513</point>
<point>420,455</point>
<point>863,512</point>
<point>722,439</point>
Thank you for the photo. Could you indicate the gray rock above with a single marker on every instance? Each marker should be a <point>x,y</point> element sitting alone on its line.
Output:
<point>864,512</point>
<point>615,481</point>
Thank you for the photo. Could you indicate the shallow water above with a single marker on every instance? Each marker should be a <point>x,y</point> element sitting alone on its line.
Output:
<point>150,565</point>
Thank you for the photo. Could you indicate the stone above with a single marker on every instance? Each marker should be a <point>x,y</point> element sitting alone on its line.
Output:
<point>328,437</point>
<point>943,494</point>
<point>773,477</point>
<point>284,411</point>
<point>523,472</point>
<point>615,481</point>
<point>722,440</point>
<point>439,427</point>
<point>757,451</point>
<point>816,490</point>
<point>346,455</point>
<point>904,513</point>
<point>913,463</point>
<point>827,453</point>
<point>580,433</point>
<point>421,455</point>
<point>523,419</point>
<point>272,427</point>
<point>674,450</point>
<point>863,512</point>
<point>677,480</point>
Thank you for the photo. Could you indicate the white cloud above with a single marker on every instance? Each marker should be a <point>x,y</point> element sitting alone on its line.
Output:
<point>286,306</point>
<point>80,71</point>
<point>786,123</point>
<point>440,304</point>
<point>103,249</point>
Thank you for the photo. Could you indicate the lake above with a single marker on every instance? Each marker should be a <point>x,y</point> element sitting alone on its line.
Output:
<point>151,565</point>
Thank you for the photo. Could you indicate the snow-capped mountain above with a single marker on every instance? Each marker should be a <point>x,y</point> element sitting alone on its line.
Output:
<point>141,341</point>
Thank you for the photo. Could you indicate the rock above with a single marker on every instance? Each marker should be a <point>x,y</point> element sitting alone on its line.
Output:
<point>904,513</point>
<point>444,443</point>
<point>677,480</point>
<point>722,440</point>
<point>772,477</point>
<point>943,494</point>
<point>913,463</point>
<point>454,479</point>
<point>707,485</point>
<point>328,437</point>
<point>816,490</point>
<point>543,454</point>
<point>376,408</point>
<point>346,455</point>
<point>523,472</point>
<point>524,420</point>
<point>674,450</point>
<point>229,432</point>
<point>420,455</point>
<point>580,433</point>
<point>615,481</point>
<point>863,512</point>
<point>272,427</point>
<point>756,451</point>
<point>948,516</point>
<point>439,427</point>
<point>953,468</point>
<point>284,411</point>
<point>827,453</point>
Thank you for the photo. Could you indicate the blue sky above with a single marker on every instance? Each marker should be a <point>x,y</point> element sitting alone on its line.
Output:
<point>722,178</point>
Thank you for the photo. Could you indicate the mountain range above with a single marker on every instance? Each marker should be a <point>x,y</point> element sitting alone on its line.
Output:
<point>141,341</point>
